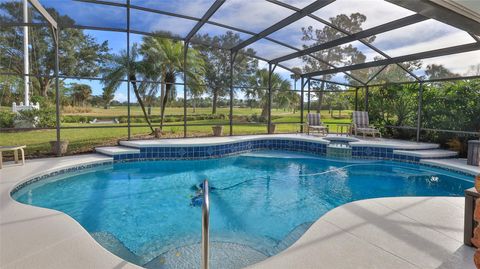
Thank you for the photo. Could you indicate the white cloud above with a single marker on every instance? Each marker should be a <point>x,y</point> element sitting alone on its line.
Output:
<point>250,15</point>
<point>269,50</point>
<point>431,32</point>
<point>376,11</point>
<point>457,63</point>
<point>120,97</point>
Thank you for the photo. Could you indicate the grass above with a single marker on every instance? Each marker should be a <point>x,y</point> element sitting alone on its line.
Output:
<point>84,140</point>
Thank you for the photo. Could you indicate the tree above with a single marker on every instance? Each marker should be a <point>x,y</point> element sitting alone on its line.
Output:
<point>165,56</point>
<point>121,66</point>
<point>196,91</point>
<point>438,71</point>
<point>79,53</point>
<point>338,55</point>
<point>296,76</point>
<point>258,88</point>
<point>287,99</point>
<point>107,96</point>
<point>473,70</point>
<point>81,93</point>
<point>217,64</point>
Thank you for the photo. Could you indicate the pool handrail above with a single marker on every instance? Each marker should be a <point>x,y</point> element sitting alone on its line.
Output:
<point>205,226</point>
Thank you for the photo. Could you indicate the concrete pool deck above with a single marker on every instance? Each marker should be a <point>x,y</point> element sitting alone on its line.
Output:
<point>407,232</point>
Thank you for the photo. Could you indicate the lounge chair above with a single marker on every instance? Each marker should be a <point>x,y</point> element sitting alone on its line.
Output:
<point>361,124</point>
<point>314,122</point>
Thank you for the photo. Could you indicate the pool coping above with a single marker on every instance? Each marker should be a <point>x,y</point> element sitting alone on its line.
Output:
<point>59,239</point>
<point>35,237</point>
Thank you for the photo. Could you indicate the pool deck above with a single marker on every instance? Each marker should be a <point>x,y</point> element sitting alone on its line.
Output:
<point>407,232</point>
<point>204,141</point>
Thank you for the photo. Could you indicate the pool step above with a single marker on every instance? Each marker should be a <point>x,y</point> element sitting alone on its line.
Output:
<point>222,255</point>
<point>116,150</point>
<point>428,153</point>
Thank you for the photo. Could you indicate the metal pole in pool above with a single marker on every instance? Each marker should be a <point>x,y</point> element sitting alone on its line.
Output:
<point>205,225</point>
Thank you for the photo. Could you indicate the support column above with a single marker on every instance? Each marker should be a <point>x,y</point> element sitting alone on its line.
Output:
<point>128,70</point>
<point>308,96</point>
<point>366,98</point>
<point>232,59</point>
<point>26,67</point>
<point>270,71</point>
<point>301,105</point>
<point>356,99</point>
<point>419,112</point>
<point>56,34</point>
<point>185,52</point>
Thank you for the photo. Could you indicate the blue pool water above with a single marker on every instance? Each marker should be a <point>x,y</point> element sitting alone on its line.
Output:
<point>261,202</point>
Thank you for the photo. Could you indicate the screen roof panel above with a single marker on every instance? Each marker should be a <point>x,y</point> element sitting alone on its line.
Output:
<point>419,37</point>
<point>194,8</point>
<point>298,3</point>
<point>377,12</point>
<point>217,31</point>
<point>253,16</point>
<point>455,65</point>
<point>249,17</point>
<point>149,22</point>
<point>268,49</point>
<point>297,34</point>
<point>89,14</point>
<point>348,54</point>
<point>392,74</point>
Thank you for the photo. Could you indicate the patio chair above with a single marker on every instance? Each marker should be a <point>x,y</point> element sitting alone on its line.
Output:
<point>314,122</point>
<point>361,124</point>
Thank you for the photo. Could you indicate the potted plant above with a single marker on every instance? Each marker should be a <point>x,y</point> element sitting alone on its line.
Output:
<point>158,133</point>
<point>271,128</point>
<point>217,130</point>
<point>59,146</point>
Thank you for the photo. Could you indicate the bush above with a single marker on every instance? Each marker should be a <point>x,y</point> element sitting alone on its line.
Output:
<point>42,118</point>
<point>6,119</point>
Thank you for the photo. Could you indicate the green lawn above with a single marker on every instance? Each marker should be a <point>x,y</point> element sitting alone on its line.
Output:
<point>84,140</point>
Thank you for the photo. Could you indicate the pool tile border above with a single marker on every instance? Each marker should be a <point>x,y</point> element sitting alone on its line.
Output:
<point>59,172</point>
<point>193,152</point>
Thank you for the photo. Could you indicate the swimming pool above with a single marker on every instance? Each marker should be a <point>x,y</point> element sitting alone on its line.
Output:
<point>261,202</point>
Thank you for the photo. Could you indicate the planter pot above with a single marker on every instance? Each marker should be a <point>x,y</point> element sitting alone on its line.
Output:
<point>157,133</point>
<point>473,157</point>
<point>59,147</point>
<point>217,130</point>
<point>271,128</point>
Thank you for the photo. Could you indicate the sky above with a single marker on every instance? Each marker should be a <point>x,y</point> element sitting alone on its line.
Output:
<point>256,15</point>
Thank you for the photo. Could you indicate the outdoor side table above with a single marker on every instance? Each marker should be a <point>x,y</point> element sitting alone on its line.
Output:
<point>15,150</point>
<point>344,128</point>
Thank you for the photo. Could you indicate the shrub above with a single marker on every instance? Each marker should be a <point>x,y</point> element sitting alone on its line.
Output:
<point>43,118</point>
<point>6,119</point>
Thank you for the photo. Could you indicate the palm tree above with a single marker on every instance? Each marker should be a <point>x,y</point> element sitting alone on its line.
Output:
<point>122,65</point>
<point>259,85</point>
<point>165,57</point>
<point>296,76</point>
<point>287,100</point>
<point>81,93</point>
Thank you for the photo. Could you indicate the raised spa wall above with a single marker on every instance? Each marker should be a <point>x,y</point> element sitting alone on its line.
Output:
<point>168,152</point>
